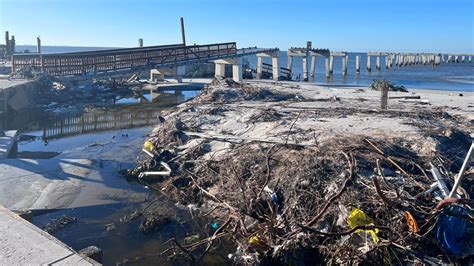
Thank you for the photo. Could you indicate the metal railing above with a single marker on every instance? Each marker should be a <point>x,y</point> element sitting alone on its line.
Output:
<point>104,61</point>
<point>99,121</point>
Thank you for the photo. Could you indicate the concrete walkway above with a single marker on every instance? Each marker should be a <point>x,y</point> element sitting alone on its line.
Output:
<point>7,142</point>
<point>22,243</point>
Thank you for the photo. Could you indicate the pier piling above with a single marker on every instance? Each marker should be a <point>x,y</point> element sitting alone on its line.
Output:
<point>357,64</point>
<point>368,64</point>
<point>305,68</point>
<point>38,45</point>
<point>259,67</point>
<point>290,62</point>
<point>313,65</point>
<point>275,68</point>
<point>331,64</point>
<point>7,42</point>
<point>344,65</point>
<point>326,63</point>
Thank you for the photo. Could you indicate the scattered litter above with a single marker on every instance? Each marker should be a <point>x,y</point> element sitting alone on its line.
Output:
<point>167,171</point>
<point>454,231</point>
<point>358,218</point>
<point>412,224</point>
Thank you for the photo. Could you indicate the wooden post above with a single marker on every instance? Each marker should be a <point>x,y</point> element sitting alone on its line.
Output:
<point>384,96</point>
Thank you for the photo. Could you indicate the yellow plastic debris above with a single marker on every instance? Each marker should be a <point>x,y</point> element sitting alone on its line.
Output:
<point>148,146</point>
<point>254,240</point>
<point>359,218</point>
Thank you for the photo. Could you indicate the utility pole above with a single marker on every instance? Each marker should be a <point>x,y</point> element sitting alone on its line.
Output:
<point>183,34</point>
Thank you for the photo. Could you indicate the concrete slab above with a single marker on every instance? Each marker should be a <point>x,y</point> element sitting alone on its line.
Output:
<point>23,243</point>
<point>84,174</point>
<point>7,142</point>
<point>6,83</point>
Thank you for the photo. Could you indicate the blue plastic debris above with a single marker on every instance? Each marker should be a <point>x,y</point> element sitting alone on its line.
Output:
<point>451,232</point>
<point>215,226</point>
<point>274,198</point>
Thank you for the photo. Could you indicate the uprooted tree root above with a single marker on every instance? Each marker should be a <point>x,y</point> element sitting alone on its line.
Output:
<point>282,204</point>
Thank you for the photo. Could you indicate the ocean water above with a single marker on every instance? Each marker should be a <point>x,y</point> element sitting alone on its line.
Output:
<point>447,76</point>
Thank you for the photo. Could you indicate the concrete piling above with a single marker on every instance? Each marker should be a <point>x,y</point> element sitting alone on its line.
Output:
<point>470,59</point>
<point>309,46</point>
<point>331,64</point>
<point>344,65</point>
<point>357,64</point>
<point>38,45</point>
<point>7,42</point>
<point>313,65</point>
<point>236,68</point>
<point>463,58</point>
<point>220,70</point>
<point>290,62</point>
<point>326,63</point>
<point>275,68</point>
<point>259,67</point>
<point>305,68</point>
<point>12,45</point>
<point>377,63</point>
<point>368,64</point>
<point>237,74</point>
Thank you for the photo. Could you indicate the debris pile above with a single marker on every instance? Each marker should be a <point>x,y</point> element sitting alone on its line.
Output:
<point>58,223</point>
<point>378,84</point>
<point>348,199</point>
<point>227,91</point>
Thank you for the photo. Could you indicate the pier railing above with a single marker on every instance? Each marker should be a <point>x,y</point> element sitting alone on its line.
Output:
<point>108,61</point>
<point>99,121</point>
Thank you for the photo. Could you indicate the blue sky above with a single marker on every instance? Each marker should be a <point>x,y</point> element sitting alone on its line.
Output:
<point>350,25</point>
